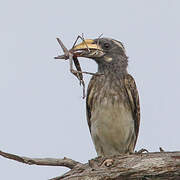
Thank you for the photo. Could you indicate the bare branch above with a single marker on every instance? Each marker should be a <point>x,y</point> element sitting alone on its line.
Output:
<point>147,166</point>
<point>157,165</point>
<point>66,162</point>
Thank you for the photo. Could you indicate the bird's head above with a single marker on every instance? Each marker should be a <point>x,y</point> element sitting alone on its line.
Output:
<point>108,53</point>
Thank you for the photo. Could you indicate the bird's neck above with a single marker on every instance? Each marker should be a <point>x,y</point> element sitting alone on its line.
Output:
<point>114,69</point>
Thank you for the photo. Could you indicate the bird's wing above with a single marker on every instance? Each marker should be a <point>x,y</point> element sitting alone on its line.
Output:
<point>132,92</point>
<point>89,100</point>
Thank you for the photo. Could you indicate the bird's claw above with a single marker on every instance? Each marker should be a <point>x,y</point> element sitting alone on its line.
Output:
<point>161,149</point>
<point>141,151</point>
<point>107,162</point>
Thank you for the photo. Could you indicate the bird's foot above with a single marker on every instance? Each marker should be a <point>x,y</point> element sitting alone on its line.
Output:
<point>107,162</point>
<point>141,151</point>
<point>161,149</point>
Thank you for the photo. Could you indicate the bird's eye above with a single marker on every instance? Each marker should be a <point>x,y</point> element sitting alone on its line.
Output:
<point>106,45</point>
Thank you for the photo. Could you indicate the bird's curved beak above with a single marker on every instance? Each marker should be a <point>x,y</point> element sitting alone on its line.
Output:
<point>88,48</point>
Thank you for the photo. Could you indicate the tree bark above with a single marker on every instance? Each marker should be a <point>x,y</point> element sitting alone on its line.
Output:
<point>145,166</point>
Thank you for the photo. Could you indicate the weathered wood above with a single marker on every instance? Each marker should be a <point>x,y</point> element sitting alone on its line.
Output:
<point>66,162</point>
<point>146,166</point>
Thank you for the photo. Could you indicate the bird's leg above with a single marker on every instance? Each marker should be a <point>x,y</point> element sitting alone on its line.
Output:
<point>161,149</point>
<point>141,151</point>
<point>107,162</point>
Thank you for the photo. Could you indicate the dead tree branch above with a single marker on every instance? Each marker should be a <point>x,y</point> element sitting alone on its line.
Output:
<point>145,166</point>
<point>66,162</point>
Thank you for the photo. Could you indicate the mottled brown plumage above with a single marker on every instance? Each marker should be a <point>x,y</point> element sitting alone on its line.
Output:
<point>134,101</point>
<point>112,104</point>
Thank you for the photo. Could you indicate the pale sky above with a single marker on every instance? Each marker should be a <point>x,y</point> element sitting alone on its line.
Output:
<point>41,105</point>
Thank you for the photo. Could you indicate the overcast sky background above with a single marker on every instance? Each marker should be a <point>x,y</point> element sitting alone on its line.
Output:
<point>42,113</point>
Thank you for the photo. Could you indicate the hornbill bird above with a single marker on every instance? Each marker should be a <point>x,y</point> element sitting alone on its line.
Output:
<point>112,103</point>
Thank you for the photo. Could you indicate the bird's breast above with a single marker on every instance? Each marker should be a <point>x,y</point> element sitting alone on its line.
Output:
<point>112,124</point>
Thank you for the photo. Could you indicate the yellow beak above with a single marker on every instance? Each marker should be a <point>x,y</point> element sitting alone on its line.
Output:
<point>87,44</point>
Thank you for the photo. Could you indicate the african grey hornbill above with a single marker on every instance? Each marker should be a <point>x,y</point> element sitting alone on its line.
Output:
<point>112,103</point>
